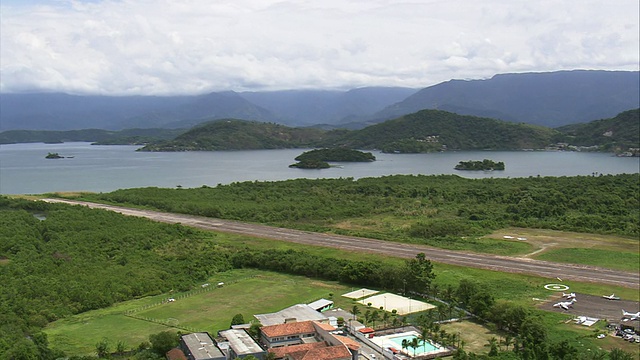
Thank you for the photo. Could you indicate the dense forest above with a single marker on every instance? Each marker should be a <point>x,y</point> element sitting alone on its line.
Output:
<point>336,154</point>
<point>320,158</point>
<point>433,130</point>
<point>57,260</point>
<point>433,210</point>
<point>486,165</point>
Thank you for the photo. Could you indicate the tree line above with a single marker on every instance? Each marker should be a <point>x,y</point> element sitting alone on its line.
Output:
<point>435,210</point>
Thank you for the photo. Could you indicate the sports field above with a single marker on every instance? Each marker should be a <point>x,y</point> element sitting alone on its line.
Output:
<point>245,291</point>
<point>390,302</point>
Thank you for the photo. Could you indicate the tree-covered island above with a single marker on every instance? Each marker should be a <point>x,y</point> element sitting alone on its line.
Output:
<point>54,156</point>
<point>318,158</point>
<point>485,165</point>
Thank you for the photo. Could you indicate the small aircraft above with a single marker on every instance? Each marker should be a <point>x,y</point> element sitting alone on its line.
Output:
<point>611,297</point>
<point>631,316</point>
<point>569,296</point>
<point>565,304</point>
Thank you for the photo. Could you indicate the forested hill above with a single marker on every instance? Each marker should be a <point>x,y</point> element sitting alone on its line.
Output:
<point>431,130</point>
<point>616,134</point>
<point>231,134</point>
<point>425,131</point>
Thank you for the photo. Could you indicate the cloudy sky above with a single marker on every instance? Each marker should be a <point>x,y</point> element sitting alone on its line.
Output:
<point>195,46</point>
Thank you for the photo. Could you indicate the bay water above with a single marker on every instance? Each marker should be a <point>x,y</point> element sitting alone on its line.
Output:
<point>85,167</point>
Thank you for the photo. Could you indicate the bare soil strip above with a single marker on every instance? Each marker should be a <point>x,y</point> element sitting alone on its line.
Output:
<point>357,244</point>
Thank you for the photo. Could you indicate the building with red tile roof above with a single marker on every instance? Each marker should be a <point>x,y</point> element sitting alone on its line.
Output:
<point>307,340</point>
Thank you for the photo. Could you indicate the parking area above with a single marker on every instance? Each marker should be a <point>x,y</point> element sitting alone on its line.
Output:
<point>595,307</point>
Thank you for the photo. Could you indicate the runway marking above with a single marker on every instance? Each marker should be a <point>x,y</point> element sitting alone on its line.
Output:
<point>556,287</point>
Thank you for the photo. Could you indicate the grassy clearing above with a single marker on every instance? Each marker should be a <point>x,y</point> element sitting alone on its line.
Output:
<point>393,229</point>
<point>263,292</point>
<point>78,335</point>
<point>608,251</point>
<point>247,292</point>
<point>474,335</point>
<point>629,261</point>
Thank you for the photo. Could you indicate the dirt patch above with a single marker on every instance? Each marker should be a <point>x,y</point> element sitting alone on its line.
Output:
<point>475,336</point>
<point>321,284</point>
<point>595,307</point>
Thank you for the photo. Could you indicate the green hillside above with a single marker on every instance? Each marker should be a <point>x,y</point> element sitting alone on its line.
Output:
<point>617,134</point>
<point>424,131</point>
<point>434,130</point>
<point>232,134</point>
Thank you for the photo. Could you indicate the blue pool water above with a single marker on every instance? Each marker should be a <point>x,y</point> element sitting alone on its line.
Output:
<point>423,348</point>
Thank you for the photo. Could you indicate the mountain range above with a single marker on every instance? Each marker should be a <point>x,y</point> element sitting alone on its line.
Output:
<point>550,99</point>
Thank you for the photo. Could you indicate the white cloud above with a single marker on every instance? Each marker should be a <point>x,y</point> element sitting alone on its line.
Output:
<point>195,46</point>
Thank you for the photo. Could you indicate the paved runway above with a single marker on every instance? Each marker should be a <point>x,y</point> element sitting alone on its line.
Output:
<point>546,269</point>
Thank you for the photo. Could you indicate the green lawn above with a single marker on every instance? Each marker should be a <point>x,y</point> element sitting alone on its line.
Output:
<point>247,292</point>
<point>629,261</point>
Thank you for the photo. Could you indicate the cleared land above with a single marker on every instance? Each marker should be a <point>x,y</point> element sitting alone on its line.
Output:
<point>245,292</point>
<point>614,252</point>
<point>350,243</point>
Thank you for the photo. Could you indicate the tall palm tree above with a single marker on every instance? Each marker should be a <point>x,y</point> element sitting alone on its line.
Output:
<point>405,344</point>
<point>374,317</point>
<point>492,343</point>
<point>355,310</point>
<point>415,343</point>
<point>424,335</point>
<point>385,318</point>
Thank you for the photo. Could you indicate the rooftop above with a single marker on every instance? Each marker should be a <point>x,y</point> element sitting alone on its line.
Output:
<point>313,351</point>
<point>288,329</point>
<point>240,341</point>
<point>201,346</point>
<point>300,312</point>
<point>319,304</point>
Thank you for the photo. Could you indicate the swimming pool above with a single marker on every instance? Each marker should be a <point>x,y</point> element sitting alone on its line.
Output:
<point>425,347</point>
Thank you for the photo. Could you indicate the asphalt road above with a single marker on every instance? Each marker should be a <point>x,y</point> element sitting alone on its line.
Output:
<point>546,269</point>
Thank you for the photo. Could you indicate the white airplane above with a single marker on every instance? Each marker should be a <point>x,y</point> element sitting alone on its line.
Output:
<point>611,297</point>
<point>569,296</point>
<point>565,304</point>
<point>631,316</point>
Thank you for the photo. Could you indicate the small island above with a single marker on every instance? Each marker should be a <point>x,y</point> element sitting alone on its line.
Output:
<point>318,159</point>
<point>54,156</point>
<point>484,165</point>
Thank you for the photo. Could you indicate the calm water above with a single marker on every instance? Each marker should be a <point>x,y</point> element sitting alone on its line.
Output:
<point>24,169</point>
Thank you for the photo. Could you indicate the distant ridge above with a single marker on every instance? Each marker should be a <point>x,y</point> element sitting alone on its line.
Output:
<point>550,99</point>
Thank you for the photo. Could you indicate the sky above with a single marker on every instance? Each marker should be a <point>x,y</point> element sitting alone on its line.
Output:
<point>169,47</point>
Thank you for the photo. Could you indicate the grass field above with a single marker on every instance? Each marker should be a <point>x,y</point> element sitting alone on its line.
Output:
<point>629,261</point>
<point>608,251</point>
<point>247,292</point>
